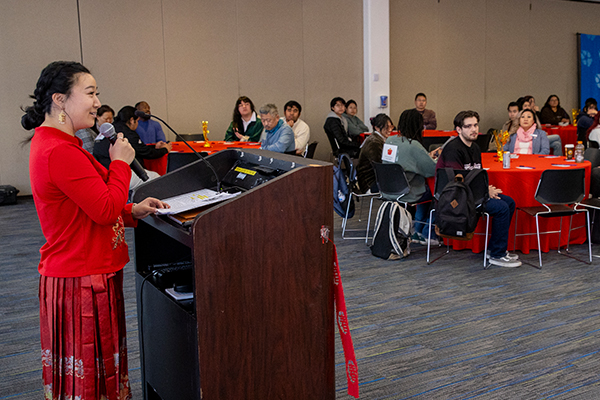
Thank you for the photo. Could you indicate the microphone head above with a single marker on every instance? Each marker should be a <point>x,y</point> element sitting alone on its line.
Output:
<point>107,130</point>
<point>141,114</point>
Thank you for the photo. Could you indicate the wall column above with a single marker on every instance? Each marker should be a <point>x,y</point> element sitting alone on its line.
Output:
<point>376,37</point>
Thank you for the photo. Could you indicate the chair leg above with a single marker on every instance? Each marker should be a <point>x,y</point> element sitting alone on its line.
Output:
<point>485,246</point>
<point>560,235</point>
<point>589,234</point>
<point>516,222</point>
<point>569,234</point>
<point>345,220</point>
<point>429,234</point>
<point>537,230</point>
<point>369,222</point>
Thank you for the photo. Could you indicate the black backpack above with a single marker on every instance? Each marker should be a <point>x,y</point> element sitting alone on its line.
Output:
<point>456,214</point>
<point>342,186</point>
<point>393,228</point>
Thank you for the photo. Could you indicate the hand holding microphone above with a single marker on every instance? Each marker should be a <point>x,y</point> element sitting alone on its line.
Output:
<point>119,149</point>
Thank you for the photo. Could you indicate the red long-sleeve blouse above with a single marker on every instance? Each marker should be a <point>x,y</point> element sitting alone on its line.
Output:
<point>81,206</point>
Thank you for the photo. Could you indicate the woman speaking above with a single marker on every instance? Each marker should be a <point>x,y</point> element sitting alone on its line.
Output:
<point>82,210</point>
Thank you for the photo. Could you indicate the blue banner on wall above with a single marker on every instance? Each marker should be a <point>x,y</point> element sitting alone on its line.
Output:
<point>589,64</point>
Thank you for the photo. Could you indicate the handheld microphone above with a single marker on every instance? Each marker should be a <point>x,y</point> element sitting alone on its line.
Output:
<point>108,131</point>
<point>141,114</point>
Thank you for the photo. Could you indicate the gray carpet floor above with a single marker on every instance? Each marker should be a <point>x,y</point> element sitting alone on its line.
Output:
<point>450,330</point>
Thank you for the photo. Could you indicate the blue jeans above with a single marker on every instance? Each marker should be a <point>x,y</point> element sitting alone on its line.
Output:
<point>501,210</point>
<point>556,144</point>
<point>422,214</point>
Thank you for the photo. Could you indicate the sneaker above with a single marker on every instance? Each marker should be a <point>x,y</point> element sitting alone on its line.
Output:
<point>432,242</point>
<point>505,262</point>
<point>418,238</point>
<point>510,256</point>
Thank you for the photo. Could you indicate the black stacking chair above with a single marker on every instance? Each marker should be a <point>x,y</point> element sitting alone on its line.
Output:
<point>558,192</point>
<point>392,183</point>
<point>335,147</point>
<point>192,137</point>
<point>310,150</point>
<point>593,156</point>
<point>352,180</point>
<point>480,190</point>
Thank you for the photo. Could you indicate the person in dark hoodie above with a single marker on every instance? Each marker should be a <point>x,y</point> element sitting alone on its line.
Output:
<point>336,127</point>
<point>126,121</point>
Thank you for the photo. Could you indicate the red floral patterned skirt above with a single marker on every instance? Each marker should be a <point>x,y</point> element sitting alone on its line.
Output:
<point>82,327</point>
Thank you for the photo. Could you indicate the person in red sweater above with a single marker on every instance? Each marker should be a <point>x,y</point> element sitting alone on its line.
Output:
<point>82,211</point>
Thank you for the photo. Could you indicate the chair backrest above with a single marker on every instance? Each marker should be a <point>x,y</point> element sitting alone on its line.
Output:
<point>335,147</point>
<point>593,144</point>
<point>310,150</point>
<point>178,160</point>
<point>193,137</point>
<point>593,156</point>
<point>483,141</point>
<point>391,179</point>
<point>561,186</point>
<point>479,186</point>
<point>346,165</point>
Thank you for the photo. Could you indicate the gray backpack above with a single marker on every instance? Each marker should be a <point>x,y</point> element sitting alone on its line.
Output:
<point>393,228</point>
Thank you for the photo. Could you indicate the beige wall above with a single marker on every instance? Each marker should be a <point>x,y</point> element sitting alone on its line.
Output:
<point>482,54</point>
<point>189,59</point>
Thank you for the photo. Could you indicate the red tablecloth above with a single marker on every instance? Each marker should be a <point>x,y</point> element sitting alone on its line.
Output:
<point>160,164</point>
<point>568,134</point>
<point>436,133</point>
<point>521,185</point>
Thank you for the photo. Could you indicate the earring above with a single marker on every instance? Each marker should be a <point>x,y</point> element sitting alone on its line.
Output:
<point>62,117</point>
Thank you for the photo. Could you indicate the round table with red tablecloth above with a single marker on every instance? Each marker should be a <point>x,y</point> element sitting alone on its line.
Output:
<point>520,182</point>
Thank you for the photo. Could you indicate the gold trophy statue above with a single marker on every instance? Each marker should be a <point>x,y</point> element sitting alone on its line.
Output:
<point>205,132</point>
<point>501,138</point>
<point>574,113</point>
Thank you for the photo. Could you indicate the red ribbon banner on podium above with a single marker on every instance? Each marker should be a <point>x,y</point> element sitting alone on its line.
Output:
<point>341,317</point>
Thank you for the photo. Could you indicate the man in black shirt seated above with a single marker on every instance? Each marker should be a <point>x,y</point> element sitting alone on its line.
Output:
<point>464,153</point>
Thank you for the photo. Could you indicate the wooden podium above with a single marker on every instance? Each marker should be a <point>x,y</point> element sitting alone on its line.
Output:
<point>261,325</point>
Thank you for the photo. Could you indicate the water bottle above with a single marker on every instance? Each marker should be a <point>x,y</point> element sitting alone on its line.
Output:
<point>579,149</point>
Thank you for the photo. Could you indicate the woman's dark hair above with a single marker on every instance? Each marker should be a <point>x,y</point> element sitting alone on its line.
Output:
<point>351,101</point>
<point>410,125</point>
<point>103,109</point>
<point>589,102</point>
<point>237,117</point>
<point>530,112</point>
<point>335,100</point>
<point>380,121</point>
<point>547,103</point>
<point>125,114</point>
<point>57,77</point>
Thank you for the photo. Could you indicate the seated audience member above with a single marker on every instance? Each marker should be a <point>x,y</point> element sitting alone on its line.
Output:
<point>148,129</point>
<point>355,125</point>
<point>465,154</point>
<point>278,136</point>
<point>371,151</point>
<point>585,119</point>
<point>593,132</point>
<point>429,121</point>
<point>529,103</point>
<point>245,125</point>
<point>88,135</point>
<point>292,111</point>
<point>127,122</point>
<point>552,113</point>
<point>337,127</point>
<point>408,151</point>
<point>513,118</point>
<point>554,141</point>
<point>528,139</point>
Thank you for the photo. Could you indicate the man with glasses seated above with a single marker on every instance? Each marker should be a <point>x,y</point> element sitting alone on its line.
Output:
<point>464,153</point>
<point>277,136</point>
